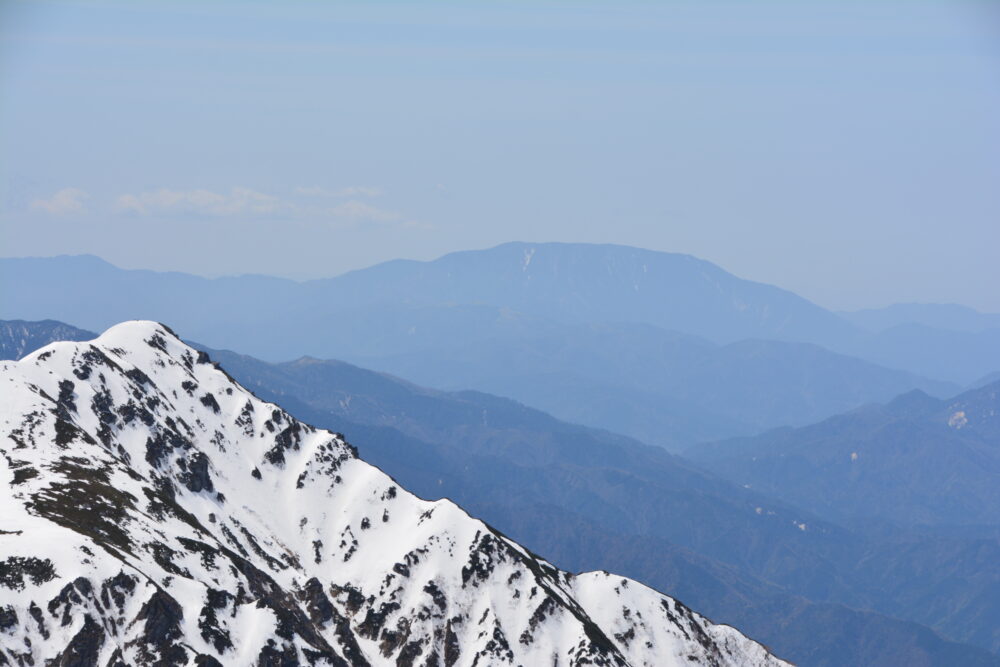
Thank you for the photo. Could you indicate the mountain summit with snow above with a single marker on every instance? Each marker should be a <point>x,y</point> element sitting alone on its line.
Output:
<point>154,512</point>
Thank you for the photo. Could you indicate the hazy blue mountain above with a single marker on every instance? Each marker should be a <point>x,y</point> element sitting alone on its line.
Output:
<point>18,337</point>
<point>520,320</point>
<point>915,460</point>
<point>948,316</point>
<point>94,294</point>
<point>592,499</point>
<point>322,318</point>
<point>958,570</point>
<point>946,341</point>
<point>515,290</point>
<point>581,283</point>
<point>957,356</point>
<point>662,387</point>
<point>989,378</point>
<point>567,283</point>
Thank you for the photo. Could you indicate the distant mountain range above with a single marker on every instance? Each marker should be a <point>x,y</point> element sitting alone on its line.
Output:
<point>594,500</point>
<point>557,283</point>
<point>927,465</point>
<point>917,460</point>
<point>702,330</point>
<point>516,289</point>
<point>946,316</point>
<point>662,387</point>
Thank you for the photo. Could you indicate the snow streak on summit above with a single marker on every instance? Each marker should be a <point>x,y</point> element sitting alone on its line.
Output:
<point>154,512</point>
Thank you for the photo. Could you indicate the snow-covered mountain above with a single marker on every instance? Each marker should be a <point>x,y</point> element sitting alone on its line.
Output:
<point>154,512</point>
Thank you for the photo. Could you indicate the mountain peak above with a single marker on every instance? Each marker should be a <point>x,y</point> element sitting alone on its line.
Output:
<point>155,512</point>
<point>914,403</point>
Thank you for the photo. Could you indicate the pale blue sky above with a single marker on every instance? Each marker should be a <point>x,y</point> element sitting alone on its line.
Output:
<point>848,151</point>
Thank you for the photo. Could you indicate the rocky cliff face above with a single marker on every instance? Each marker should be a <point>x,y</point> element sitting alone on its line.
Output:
<point>154,512</point>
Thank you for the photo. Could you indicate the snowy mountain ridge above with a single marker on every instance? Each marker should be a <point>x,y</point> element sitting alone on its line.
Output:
<point>154,512</point>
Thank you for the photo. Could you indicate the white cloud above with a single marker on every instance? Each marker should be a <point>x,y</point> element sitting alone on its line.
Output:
<point>239,201</point>
<point>67,200</point>
<point>349,191</point>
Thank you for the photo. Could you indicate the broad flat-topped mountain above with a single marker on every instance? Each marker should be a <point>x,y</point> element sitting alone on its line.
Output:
<point>518,291</point>
<point>155,512</point>
<point>511,286</point>
<point>515,290</point>
<point>579,283</point>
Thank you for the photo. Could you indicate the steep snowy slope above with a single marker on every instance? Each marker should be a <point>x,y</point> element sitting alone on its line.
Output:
<point>154,512</point>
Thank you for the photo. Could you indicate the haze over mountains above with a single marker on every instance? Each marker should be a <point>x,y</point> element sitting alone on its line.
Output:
<point>593,500</point>
<point>659,386</point>
<point>519,287</point>
<point>507,306</point>
<point>524,283</point>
